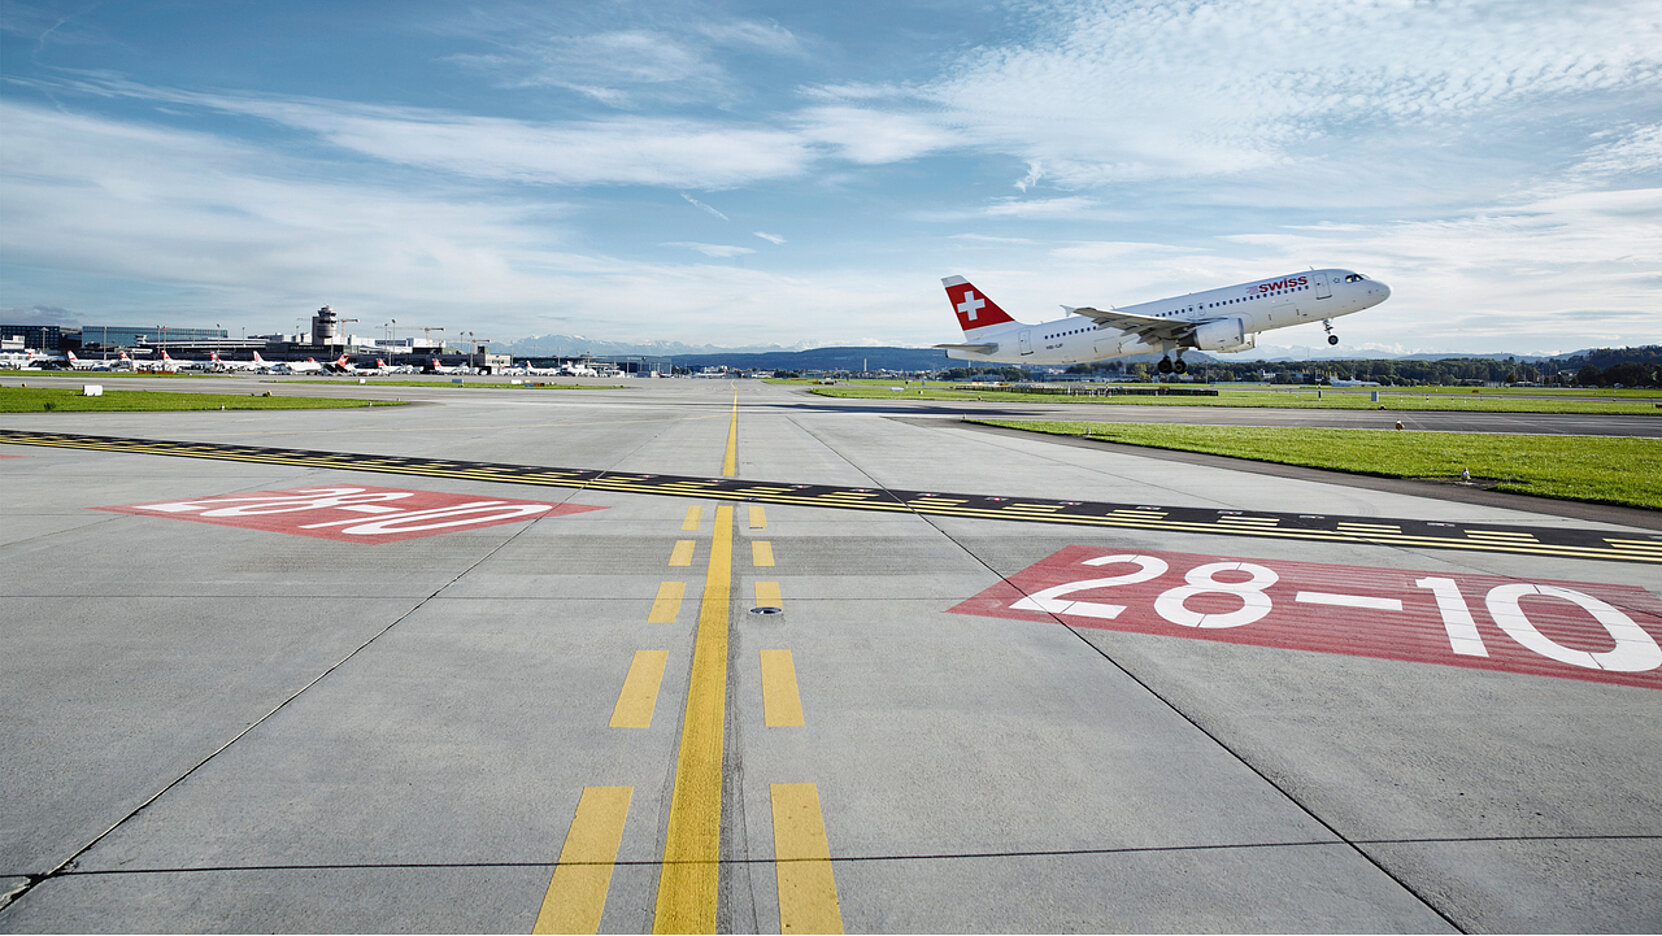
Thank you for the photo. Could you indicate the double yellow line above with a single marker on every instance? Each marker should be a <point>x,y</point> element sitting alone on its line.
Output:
<point>689,881</point>
<point>687,885</point>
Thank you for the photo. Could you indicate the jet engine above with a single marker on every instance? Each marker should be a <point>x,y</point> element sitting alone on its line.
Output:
<point>1228,334</point>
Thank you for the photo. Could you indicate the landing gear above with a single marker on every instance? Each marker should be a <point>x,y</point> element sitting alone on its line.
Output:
<point>1331,338</point>
<point>1164,366</point>
<point>1168,366</point>
<point>1179,366</point>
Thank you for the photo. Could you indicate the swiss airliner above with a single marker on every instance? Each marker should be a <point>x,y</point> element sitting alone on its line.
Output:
<point>1226,319</point>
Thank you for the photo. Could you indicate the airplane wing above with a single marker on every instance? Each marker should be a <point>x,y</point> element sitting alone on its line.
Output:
<point>977,348</point>
<point>1147,327</point>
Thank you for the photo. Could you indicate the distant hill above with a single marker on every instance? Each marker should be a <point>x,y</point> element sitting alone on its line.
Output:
<point>849,359</point>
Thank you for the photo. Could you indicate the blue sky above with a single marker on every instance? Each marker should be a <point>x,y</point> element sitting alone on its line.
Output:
<point>803,174</point>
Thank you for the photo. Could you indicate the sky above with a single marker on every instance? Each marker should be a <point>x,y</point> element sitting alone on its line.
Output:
<point>744,174</point>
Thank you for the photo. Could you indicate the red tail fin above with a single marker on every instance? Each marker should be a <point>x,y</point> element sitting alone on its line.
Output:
<point>974,309</point>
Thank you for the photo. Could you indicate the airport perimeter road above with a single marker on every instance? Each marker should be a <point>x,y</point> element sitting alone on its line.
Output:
<point>487,669</point>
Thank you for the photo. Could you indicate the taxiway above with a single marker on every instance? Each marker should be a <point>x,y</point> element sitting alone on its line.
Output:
<point>391,685</point>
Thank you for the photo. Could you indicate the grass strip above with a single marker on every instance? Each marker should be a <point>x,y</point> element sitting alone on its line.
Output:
<point>1272,399</point>
<point>1598,469</point>
<point>69,400</point>
<point>457,385</point>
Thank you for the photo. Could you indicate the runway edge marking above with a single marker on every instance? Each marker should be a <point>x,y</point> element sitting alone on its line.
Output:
<point>1563,543</point>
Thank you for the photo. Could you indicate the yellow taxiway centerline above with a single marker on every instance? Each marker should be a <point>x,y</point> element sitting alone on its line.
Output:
<point>692,846</point>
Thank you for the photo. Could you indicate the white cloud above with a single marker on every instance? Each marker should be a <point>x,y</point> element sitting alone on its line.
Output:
<point>703,207</point>
<point>872,136</point>
<point>1068,206</point>
<point>774,239</point>
<point>1146,90</point>
<point>1638,152</point>
<point>629,150</point>
<point>1035,172</point>
<point>713,250</point>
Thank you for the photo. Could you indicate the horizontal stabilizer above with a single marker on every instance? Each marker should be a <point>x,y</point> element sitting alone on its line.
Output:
<point>977,348</point>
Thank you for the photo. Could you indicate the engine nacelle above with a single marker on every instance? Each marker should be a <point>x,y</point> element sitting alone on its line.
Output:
<point>1228,334</point>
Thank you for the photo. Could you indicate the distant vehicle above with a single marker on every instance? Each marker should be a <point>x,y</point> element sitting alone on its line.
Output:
<point>1226,319</point>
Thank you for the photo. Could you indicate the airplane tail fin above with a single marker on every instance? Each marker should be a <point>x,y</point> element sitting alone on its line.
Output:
<point>975,311</point>
<point>259,360</point>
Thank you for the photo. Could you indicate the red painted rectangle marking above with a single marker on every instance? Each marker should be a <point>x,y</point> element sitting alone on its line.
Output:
<point>354,514</point>
<point>1575,630</point>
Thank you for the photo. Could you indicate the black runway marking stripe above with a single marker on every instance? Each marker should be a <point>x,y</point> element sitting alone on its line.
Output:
<point>1533,541</point>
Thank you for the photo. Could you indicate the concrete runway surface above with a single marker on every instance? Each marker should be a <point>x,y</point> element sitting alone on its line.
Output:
<point>354,695</point>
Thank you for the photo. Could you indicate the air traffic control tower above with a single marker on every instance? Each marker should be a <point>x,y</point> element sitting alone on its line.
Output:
<point>325,327</point>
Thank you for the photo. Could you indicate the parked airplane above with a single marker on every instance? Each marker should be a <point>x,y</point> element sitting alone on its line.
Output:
<point>219,363</point>
<point>308,366</point>
<point>1226,319</point>
<point>164,364</point>
<point>122,363</point>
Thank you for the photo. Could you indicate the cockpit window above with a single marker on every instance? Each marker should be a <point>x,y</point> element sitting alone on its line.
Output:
<point>1355,278</point>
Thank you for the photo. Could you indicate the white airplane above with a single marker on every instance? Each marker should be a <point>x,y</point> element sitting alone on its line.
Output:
<point>308,366</point>
<point>1226,319</point>
<point>257,364</point>
<point>76,363</point>
<point>165,364</point>
<point>440,368</point>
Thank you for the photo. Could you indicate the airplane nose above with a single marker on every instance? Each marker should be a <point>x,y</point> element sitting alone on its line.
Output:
<point>1384,291</point>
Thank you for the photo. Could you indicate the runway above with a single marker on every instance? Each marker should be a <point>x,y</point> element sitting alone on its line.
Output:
<point>705,657</point>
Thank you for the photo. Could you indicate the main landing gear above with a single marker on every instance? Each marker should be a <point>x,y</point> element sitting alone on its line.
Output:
<point>1168,366</point>
<point>1331,338</point>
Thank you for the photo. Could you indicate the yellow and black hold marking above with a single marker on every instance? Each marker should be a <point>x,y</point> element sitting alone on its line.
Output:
<point>1537,541</point>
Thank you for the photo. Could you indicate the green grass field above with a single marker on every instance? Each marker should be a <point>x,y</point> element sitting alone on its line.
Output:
<point>1586,468</point>
<point>530,383</point>
<point>1415,400</point>
<point>69,400</point>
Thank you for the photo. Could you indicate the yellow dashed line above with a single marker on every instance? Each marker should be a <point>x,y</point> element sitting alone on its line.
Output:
<point>639,697</point>
<point>781,703</point>
<point>761,553</point>
<point>767,595</point>
<point>695,516</point>
<point>682,554</point>
<point>577,893</point>
<point>802,856</point>
<point>758,517</point>
<point>667,606</point>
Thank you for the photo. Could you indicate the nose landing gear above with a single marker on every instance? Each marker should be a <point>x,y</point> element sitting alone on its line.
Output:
<point>1331,338</point>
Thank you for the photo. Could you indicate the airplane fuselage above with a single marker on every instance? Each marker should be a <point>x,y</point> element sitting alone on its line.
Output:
<point>1224,319</point>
